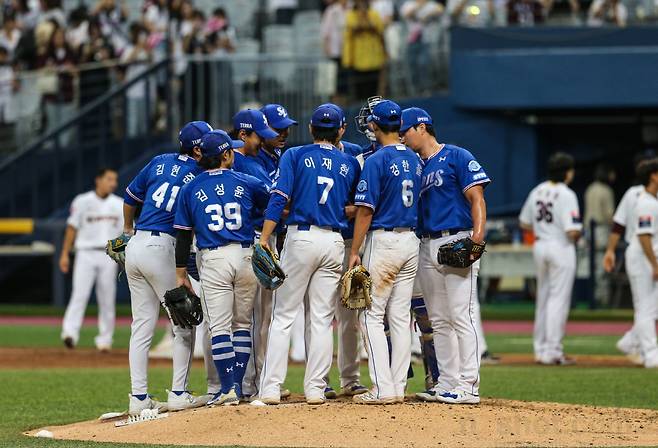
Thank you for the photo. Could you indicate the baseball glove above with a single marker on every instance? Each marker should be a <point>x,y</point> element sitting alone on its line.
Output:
<point>183,307</point>
<point>266,267</point>
<point>461,253</point>
<point>116,249</point>
<point>355,289</point>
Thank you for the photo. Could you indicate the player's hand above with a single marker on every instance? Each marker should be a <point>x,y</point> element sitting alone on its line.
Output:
<point>64,263</point>
<point>355,260</point>
<point>655,273</point>
<point>263,242</point>
<point>609,261</point>
<point>182,279</point>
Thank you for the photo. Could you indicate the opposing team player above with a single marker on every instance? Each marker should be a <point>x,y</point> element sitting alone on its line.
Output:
<point>451,208</point>
<point>387,200</point>
<point>622,224</point>
<point>642,264</point>
<point>96,216</point>
<point>317,180</point>
<point>551,211</point>
<point>218,205</point>
<point>150,265</point>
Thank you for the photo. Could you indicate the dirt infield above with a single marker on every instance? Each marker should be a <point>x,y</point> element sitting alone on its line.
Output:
<point>500,423</point>
<point>27,358</point>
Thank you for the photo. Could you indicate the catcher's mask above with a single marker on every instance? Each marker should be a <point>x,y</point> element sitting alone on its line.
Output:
<point>366,109</point>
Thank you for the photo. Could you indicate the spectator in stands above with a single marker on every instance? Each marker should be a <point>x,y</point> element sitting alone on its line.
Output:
<point>220,34</point>
<point>26,16</point>
<point>420,16</point>
<point>476,13</point>
<point>9,34</point>
<point>59,59</point>
<point>332,30</point>
<point>599,208</point>
<point>51,10</point>
<point>112,16</point>
<point>77,32</point>
<point>283,10</point>
<point>525,12</point>
<point>363,49</point>
<point>136,57</point>
<point>385,9</point>
<point>607,12</point>
<point>8,85</point>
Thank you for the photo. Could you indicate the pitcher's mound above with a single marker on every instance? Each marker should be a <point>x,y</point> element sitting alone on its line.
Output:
<point>341,424</point>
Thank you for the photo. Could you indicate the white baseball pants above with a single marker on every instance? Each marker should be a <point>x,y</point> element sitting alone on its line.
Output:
<point>556,271</point>
<point>92,266</point>
<point>645,306</point>
<point>392,260</point>
<point>313,262</point>
<point>202,337</point>
<point>450,296</point>
<point>151,271</point>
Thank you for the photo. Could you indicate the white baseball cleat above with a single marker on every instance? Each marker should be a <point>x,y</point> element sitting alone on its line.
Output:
<point>136,406</point>
<point>183,401</point>
<point>315,400</point>
<point>458,397</point>
<point>268,400</point>
<point>205,398</point>
<point>371,398</point>
<point>230,398</point>
<point>285,393</point>
<point>630,351</point>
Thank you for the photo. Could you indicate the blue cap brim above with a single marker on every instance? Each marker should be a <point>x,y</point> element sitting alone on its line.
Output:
<point>266,133</point>
<point>369,118</point>
<point>237,144</point>
<point>284,123</point>
<point>405,128</point>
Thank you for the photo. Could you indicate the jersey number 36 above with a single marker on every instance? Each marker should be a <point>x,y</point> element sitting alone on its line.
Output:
<point>544,211</point>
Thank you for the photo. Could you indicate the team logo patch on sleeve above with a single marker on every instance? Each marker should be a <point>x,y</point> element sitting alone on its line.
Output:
<point>575,217</point>
<point>362,186</point>
<point>473,165</point>
<point>645,221</point>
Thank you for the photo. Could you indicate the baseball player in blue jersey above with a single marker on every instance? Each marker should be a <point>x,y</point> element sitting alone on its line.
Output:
<point>451,207</point>
<point>317,180</point>
<point>387,200</point>
<point>150,266</point>
<point>218,205</point>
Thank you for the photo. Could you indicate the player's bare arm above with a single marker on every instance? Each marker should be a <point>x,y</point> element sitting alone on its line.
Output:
<point>350,211</point>
<point>574,235</point>
<point>361,226</point>
<point>609,258</point>
<point>268,229</point>
<point>128,219</point>
<point>67,245</point>
<point>475,196</point>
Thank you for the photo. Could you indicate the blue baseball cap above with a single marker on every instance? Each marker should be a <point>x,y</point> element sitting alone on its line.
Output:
<point>340,111</point>
<point>216,142</point>
<point>253,119</point>
<point>190,135</point>
<point>414,116</point>
<point>385,112</point>
<point>327,116</point>
<point>277,116</point>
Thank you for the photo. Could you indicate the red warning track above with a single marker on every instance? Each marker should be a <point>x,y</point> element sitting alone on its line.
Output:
<point>490,327</point>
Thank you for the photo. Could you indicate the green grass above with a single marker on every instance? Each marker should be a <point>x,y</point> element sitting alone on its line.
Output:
<point>56,396</point>
<point>575,345</point>
<point>498,311</point>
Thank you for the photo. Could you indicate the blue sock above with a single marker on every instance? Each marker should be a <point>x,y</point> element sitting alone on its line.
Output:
<point>242,347</point>
<point>224,359</point>
<point>178,392</point>
<point>141,397</point>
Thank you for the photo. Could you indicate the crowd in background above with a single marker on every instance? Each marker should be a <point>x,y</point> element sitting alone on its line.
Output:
<point>80,48</point>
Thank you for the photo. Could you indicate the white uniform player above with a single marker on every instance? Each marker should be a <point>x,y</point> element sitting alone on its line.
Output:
<point>622,223</point>
<point>551,211</point>
<point>150,266</point>
<point>96,216</point>
<point>642,266</point>
<point>318,180</point>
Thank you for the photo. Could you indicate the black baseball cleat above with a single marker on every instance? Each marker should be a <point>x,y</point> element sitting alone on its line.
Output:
<point>488,358</point>
<point>68,342</point>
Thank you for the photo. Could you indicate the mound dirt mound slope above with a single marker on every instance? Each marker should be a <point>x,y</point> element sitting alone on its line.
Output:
<point>495,423</point>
